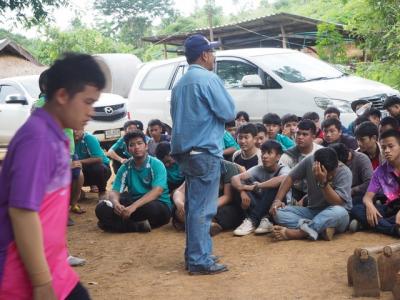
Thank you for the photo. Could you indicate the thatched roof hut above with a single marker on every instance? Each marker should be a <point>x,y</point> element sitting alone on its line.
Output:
<point>16,61</point>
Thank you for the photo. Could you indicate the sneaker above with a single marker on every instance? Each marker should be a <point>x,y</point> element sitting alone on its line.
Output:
<point>264,227</point>
<point>213,269</point>
<point>354,226</point>
<point>215,229</point>
<point>75,261</point>
<point>328,233</point>
<point>142,226</point>
<point>245,228</point>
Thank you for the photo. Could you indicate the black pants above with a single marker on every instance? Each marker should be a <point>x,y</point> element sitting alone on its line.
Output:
<point>230,215</point>
<point>260,204</point>
<point>96,174</point>
<point>78,293</point>
<point>156,212</point>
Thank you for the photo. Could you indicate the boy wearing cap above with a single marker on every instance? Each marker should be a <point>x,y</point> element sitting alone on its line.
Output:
<point>199,155</point>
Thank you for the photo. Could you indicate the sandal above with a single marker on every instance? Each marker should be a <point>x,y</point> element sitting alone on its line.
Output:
<point>76,209</point>
<point>279,233</point>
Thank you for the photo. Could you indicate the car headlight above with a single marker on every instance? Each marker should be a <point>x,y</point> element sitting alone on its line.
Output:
<point>342,105</point>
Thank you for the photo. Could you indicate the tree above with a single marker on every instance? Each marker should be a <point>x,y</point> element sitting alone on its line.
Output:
<point>39,8</point>
<point>330,44</point>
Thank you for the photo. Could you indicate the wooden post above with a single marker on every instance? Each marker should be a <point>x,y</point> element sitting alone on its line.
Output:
<point>165,51</point>
<point>220,41</point>
<point>284,41</point>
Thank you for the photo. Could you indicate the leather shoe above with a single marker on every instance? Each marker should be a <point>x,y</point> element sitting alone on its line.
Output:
<point>215,258</point>
<point>211,270</point>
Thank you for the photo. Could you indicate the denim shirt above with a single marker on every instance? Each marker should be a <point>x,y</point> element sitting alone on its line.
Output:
<point>200,107</point>
<point>385,179</point>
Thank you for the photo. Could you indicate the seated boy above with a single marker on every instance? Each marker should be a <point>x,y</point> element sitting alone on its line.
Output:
<point>261,135</point>
<point>305,146</point>
<point>155,128</point>
<point>174,176</point>
<point>334,134</point>
<point>249,155</point>
<point>230,144</point>
<point>388,123</point>
<point>146,204</point>
<point>242,118</point>
<point>361,169</point>
<point>289,125</point>
<point>118,152</point>
<point>392,105</point>
<point>374,115</point>
<point>382,218</point>
<point>229,214</point>
<point>334,113</point>
<point>95,164</point>
<point>258,187</point>
<point>367,140</point>
<point>329,199</point>
<point>313,116</point>
<point>272,123</point>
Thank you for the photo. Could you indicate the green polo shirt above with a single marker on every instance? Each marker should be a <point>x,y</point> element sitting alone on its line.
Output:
<point>229,141</point>
<point>140,181</point>
<point>174,174</point>
<point>120,148</point>
<point>285,141</point>
<point>88,147</point>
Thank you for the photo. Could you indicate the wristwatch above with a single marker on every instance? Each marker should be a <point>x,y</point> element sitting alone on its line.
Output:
<point>322,185</point>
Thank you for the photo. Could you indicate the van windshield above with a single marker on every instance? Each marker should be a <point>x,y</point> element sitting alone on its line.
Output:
<point>298,67</point>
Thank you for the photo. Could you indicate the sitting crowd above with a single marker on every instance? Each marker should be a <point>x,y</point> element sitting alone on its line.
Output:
<point>294,177</point>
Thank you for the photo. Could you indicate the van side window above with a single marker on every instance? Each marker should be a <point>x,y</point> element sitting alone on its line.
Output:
<point>6,90</point>
<point>179,73</point>
<point>271,83</point>
<point>232,72</point>
<point>158,78</point>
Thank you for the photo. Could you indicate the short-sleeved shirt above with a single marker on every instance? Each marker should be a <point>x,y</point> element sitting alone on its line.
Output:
<point>228,171</point>
<point>120,148</point>
<point>140,181</point>
<point>285,141</point>
<point>36,176</point>
<point>88,147</point>
<point>341,183</point>
<point>377,159</point>
<point>348,140</point>
<point>229,141</point>
<point>385,179</point>
<point>152,144</point>
<point>174,174</point>
<point>247,162</point>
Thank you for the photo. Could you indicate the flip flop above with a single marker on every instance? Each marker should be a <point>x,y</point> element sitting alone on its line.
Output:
<point>279,233</point>
<point>76,209</point>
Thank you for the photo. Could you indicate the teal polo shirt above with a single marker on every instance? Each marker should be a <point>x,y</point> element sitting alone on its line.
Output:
<point>88,147</point>
<point>120,148</point>
<point>285,141</point>
<point>229,141</point>
<point>174,174</point>
<point>140,181</point>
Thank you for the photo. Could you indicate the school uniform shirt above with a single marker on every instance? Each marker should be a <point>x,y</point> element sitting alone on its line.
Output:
<point>229,141</point>
<point>88,147</point>
<point>120,148</point>
<point>174,174</point>
<point>140,181</point>
<point>285,141</point>
<point>36,176</point>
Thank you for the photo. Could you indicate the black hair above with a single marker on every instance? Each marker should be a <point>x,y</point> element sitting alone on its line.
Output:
<point>230,124</point>
<point>307,124</point>
<point>390,121</point>
<point>342,151</point>
<point>332,110</point>
<point>272,118</point>
<point>311,115</point>
<point>272,145</point>
<point>373,112</point>
<point>134,134</point>
<point>391,133</point>
<point>155,122</point>
<point>261,128</point>
<point>43,81</point>
<point>368,129</point>
<point>73,72</point>
<point>390,101</point>
<point>138,124</point>
<point>332,121</point>
<point>132,122</point>
<point>162,150</point>
<point>361,119</point>
<point>327,157</point>
<point>243,114</point>
<point>289,118</point>
<point>248,128</point>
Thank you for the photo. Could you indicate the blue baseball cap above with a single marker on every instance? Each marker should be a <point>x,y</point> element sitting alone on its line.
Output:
<point>197,44</point>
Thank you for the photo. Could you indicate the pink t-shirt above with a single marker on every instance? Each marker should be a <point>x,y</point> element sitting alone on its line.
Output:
<point>36,176</point>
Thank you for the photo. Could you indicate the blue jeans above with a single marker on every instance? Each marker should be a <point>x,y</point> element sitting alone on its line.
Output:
<point>313,221</point>
<point>202,174</point>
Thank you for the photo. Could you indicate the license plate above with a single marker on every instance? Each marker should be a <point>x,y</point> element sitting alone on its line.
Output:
<point>112,133</point>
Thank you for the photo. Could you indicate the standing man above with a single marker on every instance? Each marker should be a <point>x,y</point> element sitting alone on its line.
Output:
<point>200,104</point>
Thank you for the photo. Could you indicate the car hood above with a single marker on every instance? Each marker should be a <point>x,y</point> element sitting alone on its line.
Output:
<point>107,99</point>
<point>347,88</point>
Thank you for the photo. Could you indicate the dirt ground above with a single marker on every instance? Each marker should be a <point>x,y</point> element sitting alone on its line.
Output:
<point>150,266</point>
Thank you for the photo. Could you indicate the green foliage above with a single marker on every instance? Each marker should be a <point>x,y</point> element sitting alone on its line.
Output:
<point>330,45</point>
<point>385,72</point>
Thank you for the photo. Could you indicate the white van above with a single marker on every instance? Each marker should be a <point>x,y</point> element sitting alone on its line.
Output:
<point>17,95</point>
<point>260,80</point>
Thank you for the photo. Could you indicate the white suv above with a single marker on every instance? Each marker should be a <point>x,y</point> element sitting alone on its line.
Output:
<point>260,80</point>
<point>17,95</point>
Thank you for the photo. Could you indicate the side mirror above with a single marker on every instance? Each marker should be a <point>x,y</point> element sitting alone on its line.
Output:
<point>16,99</point>
<point>252,81</point>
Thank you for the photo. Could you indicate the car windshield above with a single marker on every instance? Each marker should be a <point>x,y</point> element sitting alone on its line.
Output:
<point>298,67</point>
<point>31,85</point>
